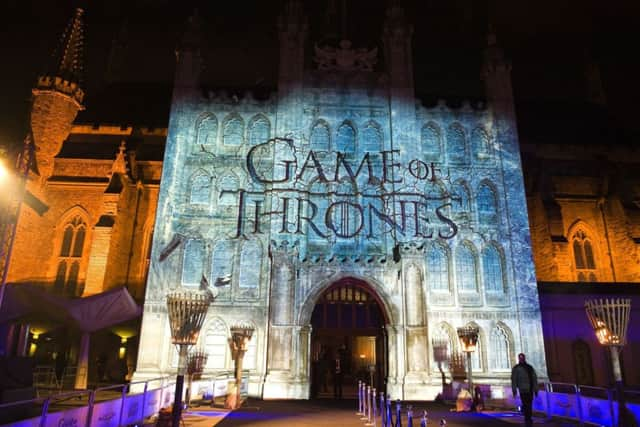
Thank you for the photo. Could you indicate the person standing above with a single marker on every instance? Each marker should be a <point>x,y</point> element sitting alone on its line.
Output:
<point>337,378</point>
<point>525,381</point>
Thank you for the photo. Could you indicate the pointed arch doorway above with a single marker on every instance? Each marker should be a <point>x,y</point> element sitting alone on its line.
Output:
<point>348,324</point>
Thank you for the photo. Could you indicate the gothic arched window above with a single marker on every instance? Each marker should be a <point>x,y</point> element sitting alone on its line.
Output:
<point>228,187</point>
<point>492,269</point>
<point>466,279</point>
<point>193,262</point>
<point>222,260</point>
<point>584,257</point>
<point>216,344</point>
<point>260,130</point>
<point>346,138</point>
<point>443,345</point>
<point>250,263</point>
<point>431,141</point>
<point>460,198</point>
<point>372,137</point>
<point>70,257</point>
<point>320,136</point>
<point>500,349</point>
<point>487,205</point>
<point>438,268</point>
<point>207,131</point>
<point>233,131</point>
<point>456,144</point>
<point>200,189</point>
<point>480,143</point>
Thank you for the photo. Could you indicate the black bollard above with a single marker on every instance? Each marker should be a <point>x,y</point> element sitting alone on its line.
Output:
<point>398,414</point>
<point>443,422</point>
<point>410,416</point>
<point>383,411</point>
<point>389,420</point>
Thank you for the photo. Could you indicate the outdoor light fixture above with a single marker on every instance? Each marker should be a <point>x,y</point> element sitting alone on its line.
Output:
<point>123,348</point>
<point>195,366</point>
<point>609,320</point>
<point>187,311</point>
<point>469,339</point>
<point>239,343</point>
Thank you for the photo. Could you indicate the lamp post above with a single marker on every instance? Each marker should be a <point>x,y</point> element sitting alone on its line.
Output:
<point>195,365</point>
<point>239,343</point>
<point>469,339</point>
<point>187,311</point>
<point>610,319</point>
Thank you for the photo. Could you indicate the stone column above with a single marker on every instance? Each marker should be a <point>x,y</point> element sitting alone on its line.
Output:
<point>82,370</point>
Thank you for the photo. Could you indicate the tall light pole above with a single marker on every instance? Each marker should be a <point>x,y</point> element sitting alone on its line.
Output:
<point>239,343</point>
<point>469,339</point>
<point>187,311</point>
<point>610,319</point>
<point>14,179</point>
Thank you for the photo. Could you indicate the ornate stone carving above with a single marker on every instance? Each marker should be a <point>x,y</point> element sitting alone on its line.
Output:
<point>345,58</point>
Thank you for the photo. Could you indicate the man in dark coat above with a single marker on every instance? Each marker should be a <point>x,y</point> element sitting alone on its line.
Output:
<point>525,381</point>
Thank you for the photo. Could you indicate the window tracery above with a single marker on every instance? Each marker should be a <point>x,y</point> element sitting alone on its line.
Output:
<point>70,257</point>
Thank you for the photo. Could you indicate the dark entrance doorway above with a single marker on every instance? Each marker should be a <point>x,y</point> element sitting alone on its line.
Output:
<point>348,341</point>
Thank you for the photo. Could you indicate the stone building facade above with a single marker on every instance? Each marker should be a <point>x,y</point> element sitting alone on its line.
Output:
<point>340,189</point>
<point>339,179</point>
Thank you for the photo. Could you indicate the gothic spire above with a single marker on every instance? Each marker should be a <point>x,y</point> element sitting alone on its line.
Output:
<point>67,60</point>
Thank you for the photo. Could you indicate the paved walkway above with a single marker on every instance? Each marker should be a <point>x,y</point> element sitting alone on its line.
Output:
<point>325,412</point>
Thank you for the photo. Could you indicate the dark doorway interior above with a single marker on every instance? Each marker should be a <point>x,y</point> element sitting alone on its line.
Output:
<point>348,341</point>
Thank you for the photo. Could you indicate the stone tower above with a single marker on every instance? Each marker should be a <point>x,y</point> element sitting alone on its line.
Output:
<point>57,96</point>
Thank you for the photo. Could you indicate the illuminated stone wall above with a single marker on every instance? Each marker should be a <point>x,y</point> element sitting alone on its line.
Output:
<point>583,205</point>
<point>98,198</point>
<point>425,205</point>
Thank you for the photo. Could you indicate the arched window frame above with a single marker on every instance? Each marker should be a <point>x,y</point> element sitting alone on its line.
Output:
<point>445,332</point>
<point>584,255</point>
<point>320,136</point>
<point>200,189</point>
<point>249,275</point>
<point>493,270</point>
<point>71,253</point>
<point>193,262</point>
<point>481,143</point>
<point>227,185</point>
<point>439,278</point>
<point>466,268</point>
<point>462,206</point>
<point>501,345</point>
<point>233,131</point>
<point>372,137</point>
<point>206,131</point>
<point>259,130</point>
<point>431,140</point>
<point>346,142</point>
<point>215,341</point>
<point>456,144</point>
<point>487,204</point>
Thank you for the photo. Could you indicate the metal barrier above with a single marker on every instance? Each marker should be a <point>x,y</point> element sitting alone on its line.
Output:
<point>86,407</point>
<point>584,404</point>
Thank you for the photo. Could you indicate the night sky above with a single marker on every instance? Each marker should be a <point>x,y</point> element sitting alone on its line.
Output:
<point>549,43</point>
